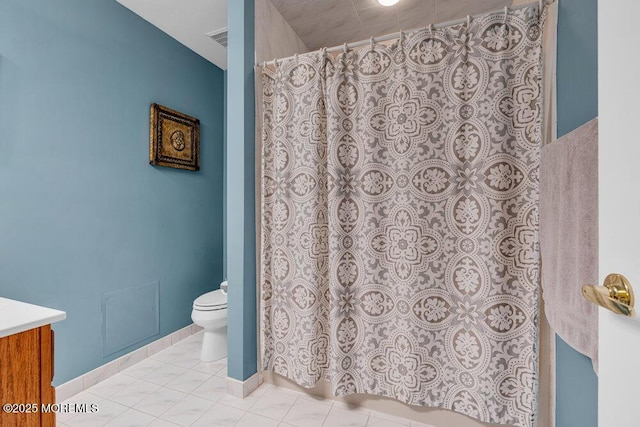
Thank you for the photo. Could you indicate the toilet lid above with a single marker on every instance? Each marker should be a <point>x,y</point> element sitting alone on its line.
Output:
<point>213,299</point>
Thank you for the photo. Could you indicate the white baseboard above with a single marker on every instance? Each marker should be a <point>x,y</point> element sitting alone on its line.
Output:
<point>242,389</point>
<point>101,373</point>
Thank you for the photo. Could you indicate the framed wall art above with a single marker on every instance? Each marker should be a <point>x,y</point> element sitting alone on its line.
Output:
<point>174,139</point>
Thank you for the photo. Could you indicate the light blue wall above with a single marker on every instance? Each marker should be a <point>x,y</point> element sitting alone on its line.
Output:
<point>241,230</point>
<point>576,383</point>
<point>577,63</point>
<point>82,212</point>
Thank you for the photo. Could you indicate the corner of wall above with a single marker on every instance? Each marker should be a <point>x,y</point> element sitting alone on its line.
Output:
<point>274,36</point>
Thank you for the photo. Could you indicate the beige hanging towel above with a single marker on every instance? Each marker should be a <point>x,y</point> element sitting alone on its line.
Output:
<point>569,235</point>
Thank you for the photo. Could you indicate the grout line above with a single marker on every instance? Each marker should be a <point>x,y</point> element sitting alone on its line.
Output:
<point>290,408</point>
<point>275,419</point>
<point>193,330</point>
<point>328,413</point>
<point>201,415</point>
<point>162,419</point>
<point>273,389</point>
<point>160,387</point>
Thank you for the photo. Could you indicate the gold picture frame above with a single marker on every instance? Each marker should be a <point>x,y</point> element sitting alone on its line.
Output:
<point>174,139</point>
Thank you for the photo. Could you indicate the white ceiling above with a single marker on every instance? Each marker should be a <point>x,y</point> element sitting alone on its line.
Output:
<point>326,23</point>
<point>187,21</point>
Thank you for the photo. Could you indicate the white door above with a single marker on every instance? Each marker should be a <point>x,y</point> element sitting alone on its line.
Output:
<point>619,201</point>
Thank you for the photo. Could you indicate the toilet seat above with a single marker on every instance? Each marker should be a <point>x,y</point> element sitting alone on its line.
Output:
<point>211,301</point>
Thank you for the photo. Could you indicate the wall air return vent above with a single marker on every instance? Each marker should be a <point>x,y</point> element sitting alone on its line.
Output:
<point>219,36</point>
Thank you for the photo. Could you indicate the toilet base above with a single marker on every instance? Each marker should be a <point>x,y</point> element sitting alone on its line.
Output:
<point>214,345</point>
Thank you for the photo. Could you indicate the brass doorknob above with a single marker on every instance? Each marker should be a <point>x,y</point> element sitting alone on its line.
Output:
<point>616,295</point>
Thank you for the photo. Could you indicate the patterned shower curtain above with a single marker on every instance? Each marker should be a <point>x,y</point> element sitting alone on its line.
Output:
<point>400,218</point>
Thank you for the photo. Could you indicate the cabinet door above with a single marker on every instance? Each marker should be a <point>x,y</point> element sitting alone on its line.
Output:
<point>20,377</point>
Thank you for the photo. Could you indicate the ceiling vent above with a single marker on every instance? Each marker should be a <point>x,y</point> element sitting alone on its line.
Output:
<point>219,36</point>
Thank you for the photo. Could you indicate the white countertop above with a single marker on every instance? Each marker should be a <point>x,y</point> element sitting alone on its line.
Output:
<point>16,316</point>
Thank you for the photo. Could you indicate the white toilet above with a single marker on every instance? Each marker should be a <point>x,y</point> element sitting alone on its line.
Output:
<point>210,312</point>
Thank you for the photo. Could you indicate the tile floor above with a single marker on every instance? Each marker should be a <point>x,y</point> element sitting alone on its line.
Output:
<point>174,388</point>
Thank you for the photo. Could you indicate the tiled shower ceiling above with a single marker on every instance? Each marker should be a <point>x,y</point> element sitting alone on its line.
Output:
<point>326,23</point>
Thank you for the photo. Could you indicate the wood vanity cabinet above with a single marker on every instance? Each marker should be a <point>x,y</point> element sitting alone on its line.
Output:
<point>26,372</point>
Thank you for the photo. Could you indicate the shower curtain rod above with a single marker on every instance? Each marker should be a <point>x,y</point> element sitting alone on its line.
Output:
<point>397,34</point>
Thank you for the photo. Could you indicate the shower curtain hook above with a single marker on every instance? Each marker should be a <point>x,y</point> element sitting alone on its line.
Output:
<point>295,58</point>
<point>401,37</point>
<point>371,42</point>
<point>431,30</point>
<point>344,46</point>
<point>468,21</point>
<point>506,14</point>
